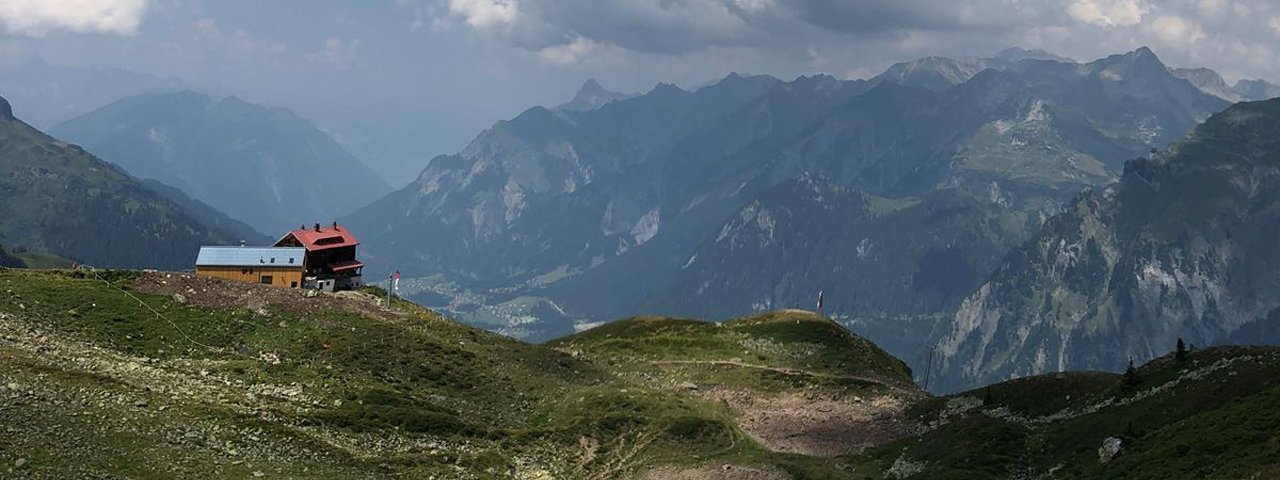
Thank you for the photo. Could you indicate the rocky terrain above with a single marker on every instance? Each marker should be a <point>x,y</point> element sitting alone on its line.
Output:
<point>1181,248</point>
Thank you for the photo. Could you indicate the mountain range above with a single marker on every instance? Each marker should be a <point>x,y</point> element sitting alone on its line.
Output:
<point>1182,247</point>
<point>899,197</point>
<point>1001,232</point>
<point>264,166</point>
<point>559,219</point>
<point>57,198</point>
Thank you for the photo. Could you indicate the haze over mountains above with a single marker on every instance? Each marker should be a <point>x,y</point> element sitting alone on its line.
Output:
<point>265,166</point>
<point>659,203</point>
<point>56,197</point>
<point>900,196</point>
<point>46,94</point>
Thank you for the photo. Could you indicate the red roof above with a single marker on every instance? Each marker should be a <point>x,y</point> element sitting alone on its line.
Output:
<point>325,238</point>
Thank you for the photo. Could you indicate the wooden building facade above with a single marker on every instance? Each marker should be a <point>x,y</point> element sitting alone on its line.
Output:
<point>281,267</point>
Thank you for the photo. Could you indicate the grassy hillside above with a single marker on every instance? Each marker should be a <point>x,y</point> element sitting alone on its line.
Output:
<point>225,380</point>
<point>21,257</point>
<point>157,375</point>
<point>769,352</point>
<point>1210,416</point>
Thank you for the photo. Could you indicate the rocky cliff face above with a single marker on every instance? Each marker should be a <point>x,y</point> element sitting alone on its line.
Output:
<point>549,189</point>
<point>1182,247</point>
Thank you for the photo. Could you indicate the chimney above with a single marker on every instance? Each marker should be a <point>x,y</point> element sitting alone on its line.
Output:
<point>242,244</point>
<point>317,227</point>
<point>335,225</point>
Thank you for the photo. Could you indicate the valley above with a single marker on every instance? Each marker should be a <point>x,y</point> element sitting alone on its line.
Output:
<point>1014,266</point>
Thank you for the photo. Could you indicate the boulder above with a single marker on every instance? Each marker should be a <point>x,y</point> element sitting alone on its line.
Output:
<point>1109,449</point>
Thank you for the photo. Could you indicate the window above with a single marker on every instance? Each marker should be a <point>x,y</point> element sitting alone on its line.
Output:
<point>291,260</point>
<point>330,240</point>
<point>244,271</point>
<point>273,259</point>
<point>268,280</point>
<point>293,284</point>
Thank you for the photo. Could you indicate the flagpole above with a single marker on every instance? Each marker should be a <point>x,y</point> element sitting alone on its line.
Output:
<point>820,314</point>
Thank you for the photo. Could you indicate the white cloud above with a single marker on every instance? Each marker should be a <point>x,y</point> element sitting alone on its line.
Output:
<point>570,53</point>
<point>38,17</point>
<point>485,14</point>
<point>752,6</point>
<point>1108,13</point>
<point>790,37</point>
<point>1175,30</point>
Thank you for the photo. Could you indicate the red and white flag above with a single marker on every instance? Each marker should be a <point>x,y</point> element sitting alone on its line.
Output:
<point>395,284</point>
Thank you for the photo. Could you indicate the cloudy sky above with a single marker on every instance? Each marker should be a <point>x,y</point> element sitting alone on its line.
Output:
<point>454,66</point>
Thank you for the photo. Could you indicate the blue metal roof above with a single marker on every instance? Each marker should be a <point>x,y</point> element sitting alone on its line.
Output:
<point>250,256</point>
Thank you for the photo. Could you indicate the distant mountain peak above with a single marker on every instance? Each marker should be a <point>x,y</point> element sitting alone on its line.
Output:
<point>591,96</point>
<point>665,87</point>
<point>591,86</point>
<point>1257,89</point>
<point>1140,63</point>
<point>1017,54</point>
<point>1208,81</point>
<point>933,73</point>
<point>1143,56</point>
<point>1140,56</point>
<point>234,100</point>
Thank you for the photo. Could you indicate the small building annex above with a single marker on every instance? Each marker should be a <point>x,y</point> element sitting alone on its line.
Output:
<point>281,267</point>
<point>322,258</point>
